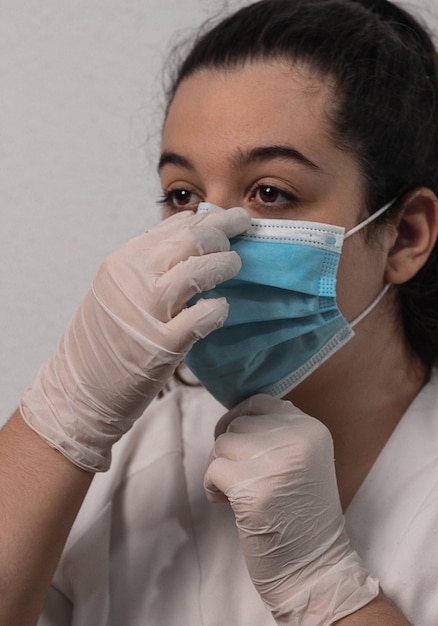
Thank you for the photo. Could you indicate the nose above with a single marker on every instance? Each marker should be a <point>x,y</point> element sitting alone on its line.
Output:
<point>224,198</point>
<point>223,205</point>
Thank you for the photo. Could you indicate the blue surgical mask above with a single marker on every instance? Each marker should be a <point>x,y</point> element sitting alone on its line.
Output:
<point>283,320</point>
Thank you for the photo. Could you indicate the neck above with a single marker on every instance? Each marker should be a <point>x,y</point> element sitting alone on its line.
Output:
<point>362,404</point>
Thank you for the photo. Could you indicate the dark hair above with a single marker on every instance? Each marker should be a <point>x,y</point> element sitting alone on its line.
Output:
<point>385,71</point>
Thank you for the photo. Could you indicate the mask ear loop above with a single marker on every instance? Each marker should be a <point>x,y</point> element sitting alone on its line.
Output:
<point>368,220</point>
<point>369,308</point>
<point>354,230</point>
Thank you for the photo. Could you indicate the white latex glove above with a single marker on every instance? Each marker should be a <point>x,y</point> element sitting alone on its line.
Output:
<point>130,333</point>
<point>274,465</point>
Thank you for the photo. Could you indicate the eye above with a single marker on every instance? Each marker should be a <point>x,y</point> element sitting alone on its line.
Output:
<point>180,199</point>
<point>270,197</point>
<point>267,193</point>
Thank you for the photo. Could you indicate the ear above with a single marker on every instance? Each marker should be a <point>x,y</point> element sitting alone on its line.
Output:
<point>416,233</point>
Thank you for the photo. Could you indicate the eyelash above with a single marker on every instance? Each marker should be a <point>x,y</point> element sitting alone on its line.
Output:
<point>291,200</point>
<point>166,199</point>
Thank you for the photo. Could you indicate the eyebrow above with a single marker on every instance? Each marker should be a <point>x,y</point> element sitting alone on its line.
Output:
<point>242,158</point>
<point>266,153</point>
<point>172,158</point>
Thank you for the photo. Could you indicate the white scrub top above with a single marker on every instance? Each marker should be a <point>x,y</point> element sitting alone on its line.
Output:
<point>148,549</point>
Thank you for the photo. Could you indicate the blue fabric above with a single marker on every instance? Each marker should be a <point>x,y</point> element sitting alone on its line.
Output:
<point>283,320</point>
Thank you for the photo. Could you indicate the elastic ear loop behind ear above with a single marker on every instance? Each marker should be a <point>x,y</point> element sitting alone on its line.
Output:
<point>354,230</point>
<point>369,308</point>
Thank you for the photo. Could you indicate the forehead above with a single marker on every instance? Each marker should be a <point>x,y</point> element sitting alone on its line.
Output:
<point>261,102</point>
<point>259,98</point>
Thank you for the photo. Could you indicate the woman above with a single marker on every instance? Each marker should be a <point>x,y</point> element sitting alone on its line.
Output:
<point>320,114</point>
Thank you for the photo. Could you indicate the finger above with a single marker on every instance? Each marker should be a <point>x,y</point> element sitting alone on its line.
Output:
<point>217,480</point>
<point>234,447</point>
<point>195,322</point>
<point>297,432</point>
<point>166,247</point>
<point>260,404</point>
<point>224,475</point>
<point>187,234</point>
<point>190,277</point>
<point>215,496</point>
<point>232,221</point>
<point>260,424</point>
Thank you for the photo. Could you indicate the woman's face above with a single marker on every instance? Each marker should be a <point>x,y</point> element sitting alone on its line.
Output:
<point>259,137</point>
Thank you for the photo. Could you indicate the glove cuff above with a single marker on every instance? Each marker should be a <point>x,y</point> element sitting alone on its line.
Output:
<point>36,412</point>
<point>343,589</point>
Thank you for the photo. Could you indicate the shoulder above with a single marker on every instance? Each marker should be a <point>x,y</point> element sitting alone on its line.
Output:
<point>407,468</point>
<point>392,521</point>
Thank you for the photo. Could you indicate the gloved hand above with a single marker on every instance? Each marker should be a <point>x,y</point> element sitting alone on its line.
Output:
<point>274,465</point>
<point>130,333</point>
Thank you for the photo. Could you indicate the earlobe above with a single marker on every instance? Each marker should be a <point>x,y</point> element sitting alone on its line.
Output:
<point>416,234</point>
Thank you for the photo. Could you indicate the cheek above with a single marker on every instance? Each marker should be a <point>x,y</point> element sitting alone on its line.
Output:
<point>360,278</point>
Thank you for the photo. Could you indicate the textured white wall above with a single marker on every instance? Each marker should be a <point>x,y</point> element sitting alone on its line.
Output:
<point>80,114</point>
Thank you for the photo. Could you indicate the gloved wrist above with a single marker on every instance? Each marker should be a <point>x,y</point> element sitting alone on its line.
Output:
<point>74,404</point>
<point>325,594</point>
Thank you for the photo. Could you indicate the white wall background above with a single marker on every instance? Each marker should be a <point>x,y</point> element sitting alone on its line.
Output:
<point>80,116</point>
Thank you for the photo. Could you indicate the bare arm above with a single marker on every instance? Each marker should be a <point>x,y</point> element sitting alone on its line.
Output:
<point>40,494</point>
<point>379,611</point>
